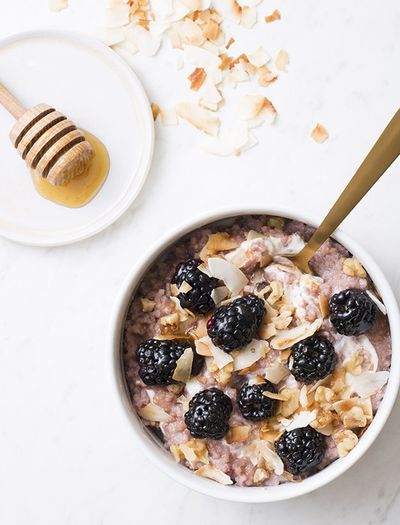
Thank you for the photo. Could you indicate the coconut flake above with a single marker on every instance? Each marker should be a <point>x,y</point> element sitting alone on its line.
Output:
<point>287,338</point>
<point>201,58</point>
<point>203,346</point>
<point>256,109</point>
<point>234,279</point>
<point>282,60</point>
<point>193,387</point>
<point>153,412</point>
<point>219,294</point>
<point>110,36</point>
<point>183,369</point>
<point>271,458</point>
<point>231,142</point>
<point>211,472</point>
<point>221,358</point>
<point>259,57</point>
<point>250,354</point>
<point>367,383</point>
<point>147,42</point>
<point>378,303</point>
<point>248,17</point>
<point>276,373</point>
<point>198,117</point>
<point>319,134</point>
<point>302,420</point>
<point>116,16</point>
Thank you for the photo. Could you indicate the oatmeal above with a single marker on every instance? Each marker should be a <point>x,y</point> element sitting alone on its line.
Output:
<point>250,371</point>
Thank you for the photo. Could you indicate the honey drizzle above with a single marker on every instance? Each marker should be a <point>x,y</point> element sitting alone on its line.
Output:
<point>80,190</point>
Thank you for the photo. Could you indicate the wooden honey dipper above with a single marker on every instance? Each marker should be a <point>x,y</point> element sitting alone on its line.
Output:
<point>50,144</point>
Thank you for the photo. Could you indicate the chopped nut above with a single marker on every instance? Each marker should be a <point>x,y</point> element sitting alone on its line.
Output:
<point>319,134</point>
<point>354,418</point>
<point>353,268</point>
<point>345,441</point>
<point>238,434</point>
<point>169,323</point>
<point>324,395</point>
<point>147,305</point>
<point>276,15</point>
<point>354,363</point>
<point>260,475</point>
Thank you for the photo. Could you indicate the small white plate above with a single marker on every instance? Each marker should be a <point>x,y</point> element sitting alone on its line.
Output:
<point>96,89</point>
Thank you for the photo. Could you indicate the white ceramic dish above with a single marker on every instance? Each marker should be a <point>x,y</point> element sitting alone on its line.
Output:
<point>95,88</point>
<point>163,458</point>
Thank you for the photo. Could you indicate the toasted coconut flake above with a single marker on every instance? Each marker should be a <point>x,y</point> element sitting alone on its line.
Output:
<point>301,420</point>
<point>147,304</point>
<point>155,109</point>
<point>378,303</point>
<point>303,397</point>
<point>271,458</point>
<point>353,364</point>
<point>200,330</point>
<point>369,348</point>
<point>276,293</point>
<point>287,338</point>
<point>238,434</point>
<point>211,472</point>
<point>234,279</point>
<point>250,354</point>
<point>57,5</point>
<point>219,294</point>
<point>265,76</point>
<point>367,384</point>
<point>154,413</point>
<point>259,57</point>
<point>202,58</point>
<point>221,358</point>
<point>231,142</point>
<point>273,395</point>
<point>184,287</point>
<point>291,404</point>
<point>223,375</point>
<point>256,109</point>
<point>183,369</point>
<point>203,346</point>
<point>248,17</point>
<point>220,241</point>
<point>324,305</point>
<point>198,117</point>
<point>276,15</point>
<point>319,134</point>
<point>197,78</point>
<point>267,331</point>
<point>345,441</point>
<point>230,42</point>
<point>282,60</point>
<point>276,374</point>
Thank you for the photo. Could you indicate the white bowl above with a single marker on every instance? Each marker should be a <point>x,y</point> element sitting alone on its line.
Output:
<point>163,458</point>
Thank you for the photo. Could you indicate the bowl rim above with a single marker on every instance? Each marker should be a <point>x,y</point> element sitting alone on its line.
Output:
<point>149,444</point>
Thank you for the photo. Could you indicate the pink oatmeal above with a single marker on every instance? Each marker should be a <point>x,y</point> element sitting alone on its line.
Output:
<point>339,407</point>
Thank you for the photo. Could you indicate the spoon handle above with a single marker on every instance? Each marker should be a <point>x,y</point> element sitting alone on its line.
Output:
<point>11,103</point>
<point>382,155</point>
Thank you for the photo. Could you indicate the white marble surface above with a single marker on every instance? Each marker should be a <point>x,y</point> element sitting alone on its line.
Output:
<point>65,454</point>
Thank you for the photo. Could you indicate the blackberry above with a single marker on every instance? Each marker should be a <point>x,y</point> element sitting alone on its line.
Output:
<point>301,449</point>
<point>352,312</point>
<point>198,300</point>
<point>235,324</point>
<point>208,414</point>
<point>157,360</point>
<point>253,404</point>
<point>313,358</point>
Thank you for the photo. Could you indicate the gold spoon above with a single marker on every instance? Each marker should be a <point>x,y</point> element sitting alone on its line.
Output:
<point>382,155</point>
